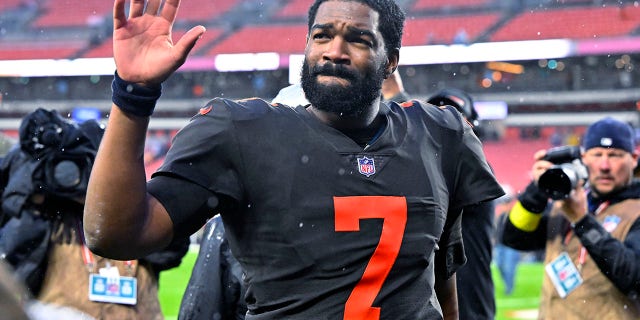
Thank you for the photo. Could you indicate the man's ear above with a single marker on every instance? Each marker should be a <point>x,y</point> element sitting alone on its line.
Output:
<point>393,56</point>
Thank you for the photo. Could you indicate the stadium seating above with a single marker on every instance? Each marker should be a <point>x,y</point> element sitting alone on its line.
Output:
<point>73,13</point>
<point>204,11</point>
<point>11,4</point>
<point>71,29</point>
<point>284,31</point>
<point>512,156</point>
<point>295,8</point>
<point>511,159</point>
<point>81,13</point>
<point>290,38</point>
<point>283,38</point>
<point>570,23</point>
<point>105,48</point>
<point>443,29</point>
<point>39,50</point>
<point>210,37</point>
<point>439,4</point>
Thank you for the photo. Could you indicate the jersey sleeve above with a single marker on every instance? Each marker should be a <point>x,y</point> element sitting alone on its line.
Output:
<point>469,179</point>
<point>204,152</point>
<point>475,183</point>
<point>475,179</point>
<point>200,167</point>
<point>450,255</point>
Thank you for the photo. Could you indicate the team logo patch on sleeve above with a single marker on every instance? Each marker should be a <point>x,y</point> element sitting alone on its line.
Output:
<point>407,104</point>
<point>366,166</point>
<point>206,109</point>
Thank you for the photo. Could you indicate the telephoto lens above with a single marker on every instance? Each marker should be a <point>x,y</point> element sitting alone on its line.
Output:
<point>565,174</point>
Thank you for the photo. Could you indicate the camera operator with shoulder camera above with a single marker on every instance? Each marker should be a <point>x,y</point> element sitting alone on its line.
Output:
<point>591,232</point>
<point>43,184</point>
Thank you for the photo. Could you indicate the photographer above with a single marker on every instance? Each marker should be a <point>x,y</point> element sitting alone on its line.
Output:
<point>44,180</point>
<point>591,234</point>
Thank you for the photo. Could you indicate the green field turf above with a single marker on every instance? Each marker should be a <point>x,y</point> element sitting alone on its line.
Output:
<point>173,282</point>
<point>521,305</point>
<point>523,302</point>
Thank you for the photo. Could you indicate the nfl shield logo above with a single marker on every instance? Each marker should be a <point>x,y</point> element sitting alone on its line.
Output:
<point>366,166</point>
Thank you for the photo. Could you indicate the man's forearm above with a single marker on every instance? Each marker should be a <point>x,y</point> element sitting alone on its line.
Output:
<point>448,297</point>
<point>116,195</point>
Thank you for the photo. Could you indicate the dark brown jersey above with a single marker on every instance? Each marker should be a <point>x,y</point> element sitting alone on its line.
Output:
<point>324,228</point>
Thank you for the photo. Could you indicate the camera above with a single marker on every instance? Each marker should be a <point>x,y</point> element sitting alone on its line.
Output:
<point>64,150</point>
<point>67,175</point>
<point>565,174</point>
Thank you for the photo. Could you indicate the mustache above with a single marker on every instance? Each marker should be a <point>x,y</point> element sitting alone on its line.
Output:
<point>334,70</point>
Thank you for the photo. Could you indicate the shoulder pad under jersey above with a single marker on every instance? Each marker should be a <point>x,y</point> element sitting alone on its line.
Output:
<point>445,116</point>
<point>237,109</point>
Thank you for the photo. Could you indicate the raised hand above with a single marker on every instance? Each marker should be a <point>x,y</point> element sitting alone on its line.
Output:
<point>143,50</point>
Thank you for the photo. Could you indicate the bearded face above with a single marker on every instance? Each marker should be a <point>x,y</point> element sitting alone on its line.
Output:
<point>346,100</point>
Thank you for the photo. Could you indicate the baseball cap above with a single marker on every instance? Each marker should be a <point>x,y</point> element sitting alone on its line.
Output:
<point>609,133</point>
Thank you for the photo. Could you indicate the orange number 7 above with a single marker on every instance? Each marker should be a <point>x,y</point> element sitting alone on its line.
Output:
<point>393,211</point>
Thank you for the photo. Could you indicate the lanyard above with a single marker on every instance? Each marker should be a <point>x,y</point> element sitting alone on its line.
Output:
<point>583,251</point>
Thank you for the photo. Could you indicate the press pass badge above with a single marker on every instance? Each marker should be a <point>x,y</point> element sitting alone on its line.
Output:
<point>563,274</point>
<point>110,287</point>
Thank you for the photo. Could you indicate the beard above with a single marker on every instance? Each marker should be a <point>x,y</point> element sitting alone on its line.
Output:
<point>349,100</point>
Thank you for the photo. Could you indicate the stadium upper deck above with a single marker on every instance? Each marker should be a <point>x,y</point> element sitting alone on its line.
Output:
<point>603,74</point>
<point>81,29</point>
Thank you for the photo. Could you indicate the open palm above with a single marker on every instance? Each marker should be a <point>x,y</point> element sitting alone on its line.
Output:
<point>143,50</point>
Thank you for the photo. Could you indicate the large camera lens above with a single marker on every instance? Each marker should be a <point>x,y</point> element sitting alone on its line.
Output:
<point>567,171</point>
<point>66,174</point>
<point>557,181</point>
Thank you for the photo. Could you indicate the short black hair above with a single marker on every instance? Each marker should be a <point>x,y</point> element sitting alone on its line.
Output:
<point>391,19</point>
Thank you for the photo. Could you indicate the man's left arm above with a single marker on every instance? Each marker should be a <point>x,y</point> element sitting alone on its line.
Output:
<point>618,261</point>
<point>448,259</point>
<point>447,296</point>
